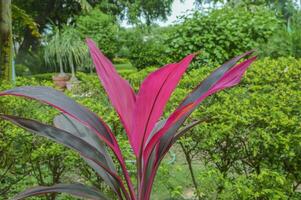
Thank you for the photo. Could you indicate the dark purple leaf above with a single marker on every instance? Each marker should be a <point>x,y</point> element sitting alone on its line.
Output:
<point>72,126</point>
<point>67,139</point>
<point>67,105</point>
<point>77,189</point>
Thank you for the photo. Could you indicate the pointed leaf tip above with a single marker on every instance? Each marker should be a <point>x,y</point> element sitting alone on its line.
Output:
<point>226,76</point>
<point>119,91</point>
<point>152,97</point>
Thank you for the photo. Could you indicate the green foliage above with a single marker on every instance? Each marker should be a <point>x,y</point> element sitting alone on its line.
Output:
<point>101,28</point>
<point>30,160</point>
<point>21,18</point>
<point>171,183</point>
<point>144,48</point>
<point>66,48</point>
<point>26,159</point>
<point>283,9</point>
<point>64,12</point>
<point>121,61</point>
<point>35,61</point>
<point>250,145</point>
<point>22,70</point>
<point>220,34</point>
<point>137,11</point>
<point>286,41</point>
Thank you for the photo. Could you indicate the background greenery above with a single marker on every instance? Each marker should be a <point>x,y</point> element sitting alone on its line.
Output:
<point>218,32</point>
<point>249,144</point>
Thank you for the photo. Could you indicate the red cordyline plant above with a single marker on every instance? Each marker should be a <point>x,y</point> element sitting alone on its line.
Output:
<point>150,138</point>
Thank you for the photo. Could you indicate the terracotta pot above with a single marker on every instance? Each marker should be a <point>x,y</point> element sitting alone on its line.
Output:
<point>60,80</point>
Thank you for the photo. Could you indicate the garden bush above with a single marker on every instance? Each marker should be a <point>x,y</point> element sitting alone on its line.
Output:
<point>32,62</point>
<point>220,34</point>
<point>248,149</point>
<point>144,47</point>
<point>250,145</point>
<point>285,41</point>
<point>102,28</point>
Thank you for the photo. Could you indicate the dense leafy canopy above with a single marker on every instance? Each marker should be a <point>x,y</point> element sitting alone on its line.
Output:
<point>144,46</point>
<point>61,12</point>
<point>285,41</point>
<point>221,34</point>
<point>101,28</point>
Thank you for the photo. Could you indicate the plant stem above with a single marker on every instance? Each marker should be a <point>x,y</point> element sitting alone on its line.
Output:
<point>189,162</point>
<point>125,173</point>
<point>61,67</point>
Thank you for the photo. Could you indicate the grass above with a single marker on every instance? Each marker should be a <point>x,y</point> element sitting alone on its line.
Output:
<point>125,66</point>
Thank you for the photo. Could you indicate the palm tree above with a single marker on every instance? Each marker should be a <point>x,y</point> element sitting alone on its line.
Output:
<point>66,48</point>
<point>75,49</point>
<point>53,51</point>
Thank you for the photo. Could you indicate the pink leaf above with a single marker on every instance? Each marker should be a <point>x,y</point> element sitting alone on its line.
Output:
<point>152,97</point>
<point>121,96</point>
<point>119,90</point>
<point>229,79</point>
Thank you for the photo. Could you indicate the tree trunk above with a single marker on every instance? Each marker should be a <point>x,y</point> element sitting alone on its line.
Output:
<point>73,77</point>
<point>6,43</point>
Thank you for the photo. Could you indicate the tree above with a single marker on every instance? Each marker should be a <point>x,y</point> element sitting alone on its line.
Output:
<point>100,27</point>
<point>6,44</point>
<point>220,34</point>
<point>59,12</point>
<point>6,31</point>
<point>66,48</point>
<point>6,34</point>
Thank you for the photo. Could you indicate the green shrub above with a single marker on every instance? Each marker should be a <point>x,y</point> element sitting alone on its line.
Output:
<point>286,41</point>
<point>101,28</point>
<point>23,156</point>
<point>43,77</point>
<point>21,70</point>
<point>30,160</point>
<point>251,145</point>
<point>120,61</point>
<point>33,59</point>
<point>220,34</point>
<point>145,48</point>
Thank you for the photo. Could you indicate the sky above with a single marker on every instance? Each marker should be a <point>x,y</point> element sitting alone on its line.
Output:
<point>178,9</point>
